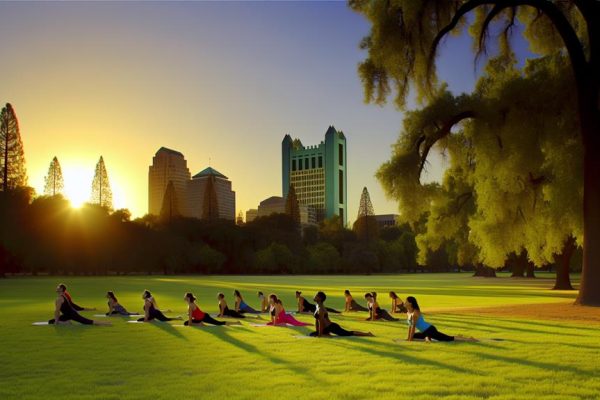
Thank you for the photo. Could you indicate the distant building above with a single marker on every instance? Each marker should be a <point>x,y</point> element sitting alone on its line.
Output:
<point>251,215</point>
<point>385,220</point>
<point>276,205</point>
<point>318,173</point>
<point>167,165</point>
<point>170,166</point>
<point>196,192</point>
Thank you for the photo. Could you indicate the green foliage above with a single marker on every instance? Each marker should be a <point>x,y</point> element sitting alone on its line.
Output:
<point>276,258</point>
<point>323,258</point>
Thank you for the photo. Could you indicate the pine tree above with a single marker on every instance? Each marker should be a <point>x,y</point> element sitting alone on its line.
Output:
<point>101,192</point>
<point>240,219</point>
<point>12,155</point>
<point>292,207</point>
<point>365,227</point>
<point>210,206</point>
<point>169,208</point>
<point>54,180</point>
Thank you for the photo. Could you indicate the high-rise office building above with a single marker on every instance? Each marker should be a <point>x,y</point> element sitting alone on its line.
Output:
<point>318,173</point>
<point>167,166</point>
<point>196,194</point>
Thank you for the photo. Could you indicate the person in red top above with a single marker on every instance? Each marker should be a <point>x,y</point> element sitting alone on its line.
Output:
<point>198,317</point>
<point>70,300</point>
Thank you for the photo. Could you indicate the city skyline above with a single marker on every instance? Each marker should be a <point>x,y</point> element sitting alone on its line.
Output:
<point>120,81</point>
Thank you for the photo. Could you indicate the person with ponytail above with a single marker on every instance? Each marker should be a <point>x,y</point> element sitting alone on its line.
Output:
<point>151,310</point>
<point>426,331</point>
<point>264,303</point>
<point>324,326</point>
<point>241,306</point>
<point>198,317</point>
<point>64,311</point>
<point>224,310</point>
<point>351,304</point>
<point>397,304</point>
<point>308,308</point>
<point>114,308</point>
<point>376,312</point>
<point>279,316</point>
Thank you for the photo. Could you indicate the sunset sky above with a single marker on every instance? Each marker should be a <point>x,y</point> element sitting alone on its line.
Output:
<point>219,81</point>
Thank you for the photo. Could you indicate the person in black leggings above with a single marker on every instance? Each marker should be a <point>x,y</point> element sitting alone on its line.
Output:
<point>64,311</point>
<point>224,310</point>
<point>70,299</point>
<point>151,310</point>
<point>376,312</point>
<point>305,307</point>
<point>426,330</point>
<point>198,317</point>
<point>324,326</point>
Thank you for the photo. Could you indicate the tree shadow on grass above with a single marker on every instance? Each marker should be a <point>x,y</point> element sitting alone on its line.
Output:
<point>371,349</point>
<point>225,336</point>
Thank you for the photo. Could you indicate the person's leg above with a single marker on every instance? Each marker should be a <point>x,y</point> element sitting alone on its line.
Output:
<point>338,330</point>
<point>80,319</point>
<point>357,307</point>
<point>210,320</point>
<point>160,316</point>
<point>234,314</point>
<point>331,310</point>
<point>77,307</point>
<point>419,335</point>
<point>250,310</point>
<point>383,314</point>
<point>433,333</point>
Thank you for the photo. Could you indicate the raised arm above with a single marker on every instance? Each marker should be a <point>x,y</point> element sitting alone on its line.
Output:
<point>221,309</point>
<point>57,305</point>
<point>413,325</point>
<point>147,310</point>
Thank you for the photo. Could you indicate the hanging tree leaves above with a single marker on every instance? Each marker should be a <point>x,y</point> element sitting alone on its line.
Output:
<point>54,182</point>
<point>12,155</point>
<point>101,192</point>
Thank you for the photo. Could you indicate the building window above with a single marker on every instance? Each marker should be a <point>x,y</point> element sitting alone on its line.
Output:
<point>306,163</point>
<point>313,163</point>
<point>341,186</point>
<point>320,161</point>
<point>341,153</point>
<point>300,164</point>
<point>293,165</point>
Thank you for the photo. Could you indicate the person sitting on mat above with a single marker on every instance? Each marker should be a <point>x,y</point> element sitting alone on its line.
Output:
<point>324,326</point>
<point>264,304</point>
<point>397,304</point>
<point>64,311</point>
<point>279,316</point>
<point>114,308</point>
<point>351,304</point>
<point>305,307</point>
<point>198,317</point>
<point>426,331</point>
<point>151,310</point>
<point>75,306</point>
<point>376,312</point>
<point>241,306</point>
<point>224,311</point>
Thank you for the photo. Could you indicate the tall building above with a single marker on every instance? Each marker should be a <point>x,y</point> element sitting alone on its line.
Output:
<point>386,220</point>
<point>251,215</point>
<point>276,205</point>
<point>318,173</point>
<point>196,194</point>
<point>167,166</point>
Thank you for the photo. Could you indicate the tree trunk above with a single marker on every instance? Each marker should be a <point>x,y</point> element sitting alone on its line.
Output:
<point>530,270</point>
<point>518,265</point>
<point>563,264</point>
<point>484,271</point>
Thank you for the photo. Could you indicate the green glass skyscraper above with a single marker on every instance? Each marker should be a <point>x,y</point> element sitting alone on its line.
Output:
<point>318,173</point>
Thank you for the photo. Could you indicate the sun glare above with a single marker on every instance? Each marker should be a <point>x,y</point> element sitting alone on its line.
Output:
<point>78,184</point>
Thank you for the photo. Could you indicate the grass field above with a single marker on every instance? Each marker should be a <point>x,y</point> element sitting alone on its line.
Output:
<point>551,356</point>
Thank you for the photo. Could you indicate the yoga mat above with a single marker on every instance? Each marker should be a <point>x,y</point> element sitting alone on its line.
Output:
<point>195,326</point>
<point>116,315</point>
<point>137,322</point>
<point>325,337</point>
<point>42,323</point>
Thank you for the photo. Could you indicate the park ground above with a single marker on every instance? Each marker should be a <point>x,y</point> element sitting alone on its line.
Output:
<point>545,347</point>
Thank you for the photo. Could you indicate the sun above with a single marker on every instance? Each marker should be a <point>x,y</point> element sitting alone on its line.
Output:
<point>78,184</point>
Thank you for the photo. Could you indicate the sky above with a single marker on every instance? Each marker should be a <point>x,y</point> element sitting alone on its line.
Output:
<point>222,82</point>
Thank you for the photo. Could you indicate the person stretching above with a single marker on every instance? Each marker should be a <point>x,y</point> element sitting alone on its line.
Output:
<point>279,316</point>
<point>324,326</point>
<point>264,304</point>
<point>426,331</point>
<point>73,305</point>
<point>198,317</point>
<point>376,312</point>
<point>397,304</point>
<point>305,307</point>
<point>351,304</point>
<point>224,311</point>
<point>151,310</point>
<point>114,308</point>
<point>64,311</point>
<point>241,306</point>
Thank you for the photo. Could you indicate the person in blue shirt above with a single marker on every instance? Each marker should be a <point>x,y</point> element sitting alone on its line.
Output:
<point>425,330</point>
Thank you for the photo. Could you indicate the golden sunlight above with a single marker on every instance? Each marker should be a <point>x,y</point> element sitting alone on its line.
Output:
<point>78,183</point>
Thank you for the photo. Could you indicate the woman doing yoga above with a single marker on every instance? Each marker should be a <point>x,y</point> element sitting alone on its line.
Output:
<point>305,307</point>
<point>151,310</point>
<point>264,303</point>
<point>198,317</point>
<point>351,304</point>
<point>75,306</point>
<point>241,306</point>
<point>224,311</point>
<point>376,312</point>
<point>324,326</point>
<point>279,316</point>
<point>397,304</point>
<point>114,308</point>
<point>64,311</point>
<point>426,331</point>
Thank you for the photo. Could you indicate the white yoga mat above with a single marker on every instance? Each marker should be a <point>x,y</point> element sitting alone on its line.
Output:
<point>42,323</point>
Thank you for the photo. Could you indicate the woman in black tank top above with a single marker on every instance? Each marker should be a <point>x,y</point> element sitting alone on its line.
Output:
<point>324,326</point>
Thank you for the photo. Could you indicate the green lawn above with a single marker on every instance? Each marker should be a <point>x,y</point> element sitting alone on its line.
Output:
<point>537,359</point>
